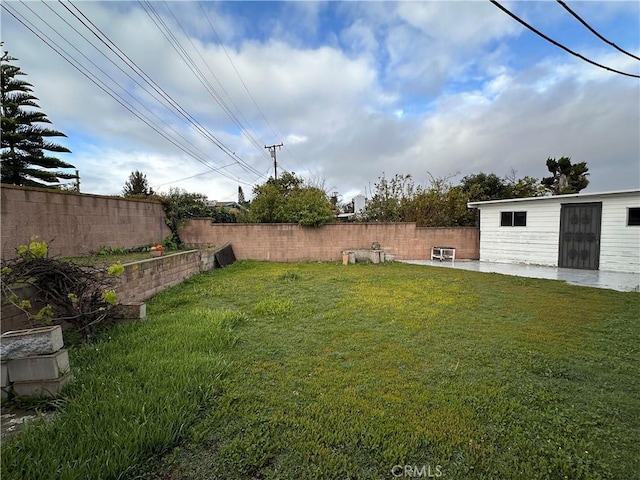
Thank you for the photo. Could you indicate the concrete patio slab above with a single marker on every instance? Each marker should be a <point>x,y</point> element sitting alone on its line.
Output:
<point>624,282</point>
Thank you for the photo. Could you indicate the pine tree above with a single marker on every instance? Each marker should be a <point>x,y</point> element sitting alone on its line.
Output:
<point>241,199</point>
<point>24,142</point>
<point>137,185</point>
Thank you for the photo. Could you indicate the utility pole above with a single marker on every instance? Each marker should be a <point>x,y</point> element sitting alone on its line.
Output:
<point>77,181</point>
<point>272,151</point>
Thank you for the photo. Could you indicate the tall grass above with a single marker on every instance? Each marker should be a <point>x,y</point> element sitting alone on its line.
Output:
<point>136,393</point>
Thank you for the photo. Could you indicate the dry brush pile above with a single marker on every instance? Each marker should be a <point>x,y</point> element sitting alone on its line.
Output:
<point>81,295</point>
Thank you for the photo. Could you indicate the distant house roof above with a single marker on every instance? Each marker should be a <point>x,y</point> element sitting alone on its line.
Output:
<point>229,205</point>
<point>346,217</point>
<point>554,197</point>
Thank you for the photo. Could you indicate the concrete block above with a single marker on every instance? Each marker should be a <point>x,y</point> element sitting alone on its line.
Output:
<point>4,378</point>
<point>40,367</point>
<point>41,388</point>
<point>132,310</point>
<point>29,342</point>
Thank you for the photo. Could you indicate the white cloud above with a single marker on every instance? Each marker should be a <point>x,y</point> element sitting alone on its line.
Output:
<point>360,39</point>
<point>293,139</point>
<point>419,87</point>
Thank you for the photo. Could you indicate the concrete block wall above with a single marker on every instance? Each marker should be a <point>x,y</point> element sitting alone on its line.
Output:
<point>77,223</point>
<point>292,243</point>
<point>143,279</point>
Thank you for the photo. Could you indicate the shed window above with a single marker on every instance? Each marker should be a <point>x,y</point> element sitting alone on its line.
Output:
<point>634,216</point>
<point>513,219</point>
<point>519,219</point>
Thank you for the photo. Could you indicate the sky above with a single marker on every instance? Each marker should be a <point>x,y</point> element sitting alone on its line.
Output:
<point>353,90</point>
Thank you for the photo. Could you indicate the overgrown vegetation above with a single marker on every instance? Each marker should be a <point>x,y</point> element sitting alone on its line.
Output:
<point>441,203</point>
<point>180,205</point>
<point>289,199</point>
<point>347,372</point>
<point>81,295</point>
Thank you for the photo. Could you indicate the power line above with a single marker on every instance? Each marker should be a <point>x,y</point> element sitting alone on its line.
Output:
<point>109,76</point>
<point>577,17</point>
<point>519,20</point>
<point>131,64</point>
<point>246,131</point>
<point>240,77</point>
<point>173,41</point>
<point>100,84</point>
<point>187,148</point>
<point>192,176</point>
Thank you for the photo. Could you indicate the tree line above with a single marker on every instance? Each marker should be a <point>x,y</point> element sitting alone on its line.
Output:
<point>291,199</point>
<point>443,204</point>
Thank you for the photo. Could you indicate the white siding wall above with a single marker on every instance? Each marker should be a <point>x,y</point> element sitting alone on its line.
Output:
<point>619,243</point>
<point>537,243</point>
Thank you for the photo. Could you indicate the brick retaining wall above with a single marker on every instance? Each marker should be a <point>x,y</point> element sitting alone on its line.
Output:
<point>292,243</point>
<point>143,279</point>
<point>77,223</point>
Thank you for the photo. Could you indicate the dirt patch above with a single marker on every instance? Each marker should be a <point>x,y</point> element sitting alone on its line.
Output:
<point>13,421</point>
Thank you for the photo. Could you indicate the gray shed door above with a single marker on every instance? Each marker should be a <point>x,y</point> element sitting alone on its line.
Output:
<point>580,236</point>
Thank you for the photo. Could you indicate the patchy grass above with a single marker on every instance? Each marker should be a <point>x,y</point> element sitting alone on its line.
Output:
<point>365,371</point>
<point>346,372</point>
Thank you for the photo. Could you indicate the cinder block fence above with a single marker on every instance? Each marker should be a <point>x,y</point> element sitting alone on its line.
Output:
<point>77,224</point>
<point>293,243</point>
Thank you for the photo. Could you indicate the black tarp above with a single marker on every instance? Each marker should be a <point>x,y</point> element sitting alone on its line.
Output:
<point>224,256</point>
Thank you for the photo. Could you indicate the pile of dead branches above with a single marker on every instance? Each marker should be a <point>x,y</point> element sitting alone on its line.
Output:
<point>80,295</point>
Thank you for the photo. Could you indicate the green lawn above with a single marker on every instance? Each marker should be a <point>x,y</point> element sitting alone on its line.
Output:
<point>300,371</point>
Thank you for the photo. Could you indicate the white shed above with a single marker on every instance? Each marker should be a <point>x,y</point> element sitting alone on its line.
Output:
<point>592,231</point>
